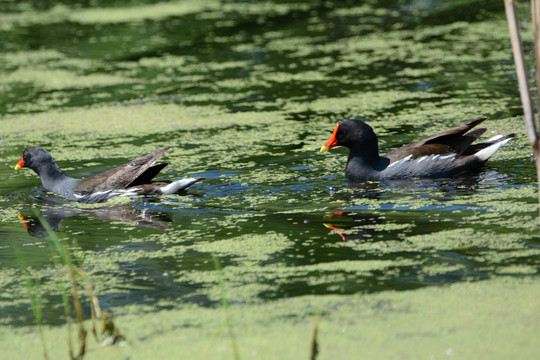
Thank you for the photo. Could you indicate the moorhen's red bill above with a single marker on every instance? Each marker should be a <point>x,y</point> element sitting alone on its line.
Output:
<point>133,178</point>
<point>441,155</point>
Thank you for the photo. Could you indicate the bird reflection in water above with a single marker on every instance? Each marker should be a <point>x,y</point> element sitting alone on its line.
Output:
<point>350,225</point>
<point>54,213</point>
<point>357,220</point>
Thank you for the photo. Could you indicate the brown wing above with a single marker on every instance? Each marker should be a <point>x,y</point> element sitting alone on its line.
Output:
<point>147,176</point>
<point>451,141</point>
<point>122,176</point>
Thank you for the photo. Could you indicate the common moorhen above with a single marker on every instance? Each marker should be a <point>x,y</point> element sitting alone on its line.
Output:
<point>133,178</point>
<point>441,155</point>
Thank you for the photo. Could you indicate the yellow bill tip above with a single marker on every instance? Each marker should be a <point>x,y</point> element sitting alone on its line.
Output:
<point>324,148</point>
<point>18,167</point>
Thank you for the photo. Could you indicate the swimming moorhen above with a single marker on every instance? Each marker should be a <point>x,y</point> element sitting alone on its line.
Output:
<point>437,156</point>
<point>133,178</point>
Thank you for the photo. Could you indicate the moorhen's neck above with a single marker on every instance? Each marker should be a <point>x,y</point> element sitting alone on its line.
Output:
<point>364,162</point>
<point>51,176</point>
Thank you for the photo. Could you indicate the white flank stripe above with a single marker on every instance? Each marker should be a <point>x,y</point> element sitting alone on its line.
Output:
<point>400,161</point>
<point>92,195</point>
<point>448,156</point>
<point>100,196</point>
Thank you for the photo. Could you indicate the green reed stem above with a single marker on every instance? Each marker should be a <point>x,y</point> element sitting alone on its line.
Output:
<point>225,304</point>
<point>35,303</point>
<point>66,262</point>
<point>32,288</point>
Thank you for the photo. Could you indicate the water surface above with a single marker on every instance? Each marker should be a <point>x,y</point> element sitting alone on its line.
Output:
<point>246,93</point>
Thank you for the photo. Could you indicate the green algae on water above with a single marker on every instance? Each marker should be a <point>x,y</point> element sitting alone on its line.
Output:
<point>246,94</point>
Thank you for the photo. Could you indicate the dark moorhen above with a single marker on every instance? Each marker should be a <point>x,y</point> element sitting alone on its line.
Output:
<point>437,156</point>
<point>133,178</point>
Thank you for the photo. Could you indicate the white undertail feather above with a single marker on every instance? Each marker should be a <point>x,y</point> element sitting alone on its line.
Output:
<point>487,152</point>
<point>178,185</point>
<point>496,137</point>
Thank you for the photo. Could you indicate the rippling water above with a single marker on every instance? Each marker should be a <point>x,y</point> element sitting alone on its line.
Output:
<point>246,93</point>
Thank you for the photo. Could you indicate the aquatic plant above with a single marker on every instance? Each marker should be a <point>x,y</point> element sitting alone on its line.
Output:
<point>32,289</point>
<point>225,304</point>
<point>64,263</point>
<point>314,342</point>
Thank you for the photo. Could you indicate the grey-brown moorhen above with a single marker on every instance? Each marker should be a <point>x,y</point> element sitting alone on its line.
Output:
<point>133,178</point>
<point>437,156</point>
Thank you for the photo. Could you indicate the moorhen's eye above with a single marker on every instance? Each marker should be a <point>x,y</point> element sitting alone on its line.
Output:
<point>24,156</point>
<point>344,132</point>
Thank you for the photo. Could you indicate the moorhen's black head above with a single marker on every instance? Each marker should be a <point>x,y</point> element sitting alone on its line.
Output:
<point>34,157</point>
<point>355,135</point>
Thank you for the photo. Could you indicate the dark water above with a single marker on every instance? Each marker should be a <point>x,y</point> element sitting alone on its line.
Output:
<point>280,217</point>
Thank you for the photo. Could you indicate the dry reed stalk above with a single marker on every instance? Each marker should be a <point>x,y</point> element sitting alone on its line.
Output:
<point>521,70</point>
